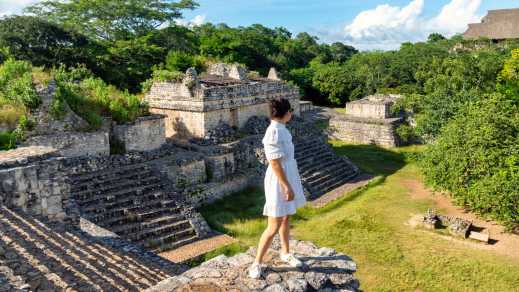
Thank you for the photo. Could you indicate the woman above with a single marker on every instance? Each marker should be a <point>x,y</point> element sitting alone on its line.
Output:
<point>283,189</point>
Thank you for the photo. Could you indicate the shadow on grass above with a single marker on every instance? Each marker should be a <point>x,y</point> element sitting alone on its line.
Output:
<point>243,206</point>
<point>371,158</point>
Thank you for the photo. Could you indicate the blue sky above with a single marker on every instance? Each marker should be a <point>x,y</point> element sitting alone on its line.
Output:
<point>366,24</point>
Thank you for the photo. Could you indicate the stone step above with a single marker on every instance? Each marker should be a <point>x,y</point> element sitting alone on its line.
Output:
<point>311,151</point>
<point>301,147</point>
<point>159,230</point>
<point>124,201</point>
<point>333,171</point>
<point>159,220</point>
<point>132,168</point>
<point>132,191</point>
<point>174,237</point>
<point>143,216</point>
<point>315,159</point>
<point>310,169</point>
<point>175,244</point>
<point>134,213</point>
<point>122,182</point>
<point>328,186</point>
<point>107,181</point>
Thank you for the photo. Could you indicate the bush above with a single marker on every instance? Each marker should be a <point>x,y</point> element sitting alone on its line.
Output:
<point>10,112</point>
<point>476,158</point>
<point>16,83</point>
<point>406,134</point>
<point>92,98</point>
<point>7,140</point>
<point>162,76</point>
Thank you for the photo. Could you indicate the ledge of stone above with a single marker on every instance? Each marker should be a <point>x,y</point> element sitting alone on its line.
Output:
<point>324,270</point>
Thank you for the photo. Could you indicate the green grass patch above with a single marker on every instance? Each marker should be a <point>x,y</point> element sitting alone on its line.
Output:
<point>369,224</point>
<point>228,250</point>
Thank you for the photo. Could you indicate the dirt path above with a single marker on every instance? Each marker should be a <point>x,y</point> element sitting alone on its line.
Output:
<point>506,244</point>
<point>197,248</point>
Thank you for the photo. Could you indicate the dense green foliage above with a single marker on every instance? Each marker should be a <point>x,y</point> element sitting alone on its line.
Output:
<point>476,158</point>
<point>109,19</point>
<point>476,154</point>
<point>92,99</point>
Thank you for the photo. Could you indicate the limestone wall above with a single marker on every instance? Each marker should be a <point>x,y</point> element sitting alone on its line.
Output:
<point>181,124</point>
<point>145,134</point>
<point>365,131</point>
<point>32,180</point>
<point>73,144</point>
<point>368,110</point>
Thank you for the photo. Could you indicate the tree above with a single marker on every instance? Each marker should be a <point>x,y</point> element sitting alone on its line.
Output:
<point>435,37</point>
<point>509,77</point>
<point>44,43</point>
<point>112,19</point>
<point>127,63</point>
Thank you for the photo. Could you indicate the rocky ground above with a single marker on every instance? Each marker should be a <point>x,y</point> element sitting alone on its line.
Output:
<point>324,270</point>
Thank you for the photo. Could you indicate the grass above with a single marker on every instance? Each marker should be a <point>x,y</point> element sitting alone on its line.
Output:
<point>369,225</point>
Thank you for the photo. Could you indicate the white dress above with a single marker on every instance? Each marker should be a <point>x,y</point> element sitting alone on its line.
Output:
<point>278,144</point>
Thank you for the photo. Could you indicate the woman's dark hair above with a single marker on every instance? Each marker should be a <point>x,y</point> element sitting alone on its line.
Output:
<point>279,107</point>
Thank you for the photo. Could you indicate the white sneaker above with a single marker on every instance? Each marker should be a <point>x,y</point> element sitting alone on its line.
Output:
<point>291,260</point>
<point>255,270</point>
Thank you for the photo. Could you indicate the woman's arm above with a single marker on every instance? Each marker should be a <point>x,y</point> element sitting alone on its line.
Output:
<point>280,173</point>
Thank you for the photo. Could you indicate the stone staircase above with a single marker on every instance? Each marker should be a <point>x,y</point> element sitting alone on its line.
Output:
<point>134,203</point>
<point>320,168</point>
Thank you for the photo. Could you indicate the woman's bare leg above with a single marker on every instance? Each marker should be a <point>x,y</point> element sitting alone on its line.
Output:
<point>267,236</point>
<point>284,232</point>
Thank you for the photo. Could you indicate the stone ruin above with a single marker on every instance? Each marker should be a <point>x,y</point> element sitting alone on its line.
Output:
<point>368,121</point>
<point>457,227</point>
<point>224,95</point>
<point>145,199</point>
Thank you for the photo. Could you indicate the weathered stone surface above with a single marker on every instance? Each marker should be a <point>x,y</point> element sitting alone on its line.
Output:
<point>332,271</point>
<point>368,121</point>
<point>38,255</point>
<point>225,96</point>
<point>144,134</point>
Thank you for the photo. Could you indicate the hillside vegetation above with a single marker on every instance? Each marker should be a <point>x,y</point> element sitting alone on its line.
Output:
<point>461,96</point>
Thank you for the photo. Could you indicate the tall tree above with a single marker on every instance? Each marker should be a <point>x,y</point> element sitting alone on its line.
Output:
<point>112,19</point>
<point>46,44</point>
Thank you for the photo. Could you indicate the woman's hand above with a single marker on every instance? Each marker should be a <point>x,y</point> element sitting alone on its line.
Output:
<point>289,194</point>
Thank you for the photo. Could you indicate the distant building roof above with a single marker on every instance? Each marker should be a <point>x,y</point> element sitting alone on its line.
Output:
<point>497,25</point>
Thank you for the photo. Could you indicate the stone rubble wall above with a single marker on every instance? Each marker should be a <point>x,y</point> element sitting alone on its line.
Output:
<point>365,131</point>
<point>74,144</point>
<point>36,188</point>
<point>324,269</point>
<point>145,134</point>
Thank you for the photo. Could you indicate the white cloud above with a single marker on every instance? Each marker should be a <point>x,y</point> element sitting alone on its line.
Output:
<point>386,26</point>
<point>8,7</point>
<point>195,21</point>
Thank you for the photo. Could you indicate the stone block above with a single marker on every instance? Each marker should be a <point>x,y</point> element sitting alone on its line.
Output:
<point>484,237</point>
<point>145,134</point>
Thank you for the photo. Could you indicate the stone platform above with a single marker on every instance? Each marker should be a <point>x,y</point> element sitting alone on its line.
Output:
<point>324,270</point>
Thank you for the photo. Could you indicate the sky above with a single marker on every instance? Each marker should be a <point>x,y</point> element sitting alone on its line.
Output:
<point>365,24</point>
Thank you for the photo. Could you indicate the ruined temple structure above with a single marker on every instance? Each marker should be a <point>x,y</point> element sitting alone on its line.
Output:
<point>368,121</point>
<point>225,94</point>
<point>497,25</point>
<point>90,208</point>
